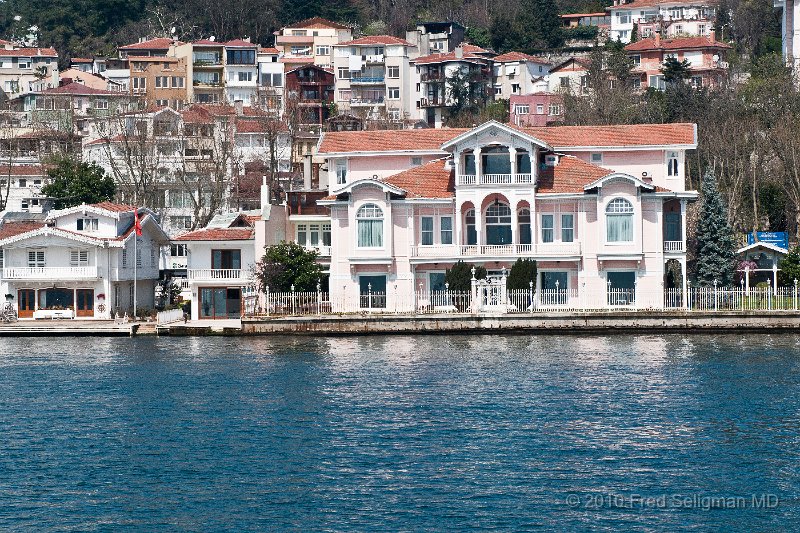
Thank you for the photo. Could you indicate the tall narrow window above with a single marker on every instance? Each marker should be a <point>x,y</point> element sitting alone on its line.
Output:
<point>370,226</point>
<point>547,228</point>
<point>672,164</point>
<point>567,228</point>
<point>341,171</point>
<point>469,221</point>
<point>326,235</point>
<point>619,221</point>
<point>427,231</point>
<point>524,220</point>
<point>302,234</point>
<point>446,227</point>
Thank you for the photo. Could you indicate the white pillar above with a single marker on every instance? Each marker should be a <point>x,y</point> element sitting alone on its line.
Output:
<point>457,164</point>
<point>512,155</point>
<point>683,226</point>
<point>514,222</point>
<point>775,273</point>
<point>684,279</point>
<point>478,164</point>
<point>479,224</point>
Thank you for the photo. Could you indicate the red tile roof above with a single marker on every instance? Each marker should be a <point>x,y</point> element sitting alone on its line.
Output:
<point>256,126</point>
<point>81,60</point>
<point>650,3</point>
<point>470,52</point>
<point>12,229</point>
<point>22,170</point>
<point>80,89</point>
<point>218,234</point>
<point>509,57</point>
<point>376,39</point>
<point>564,137</point>
<point>431,180</point>
<point>205,42</point>
<point>269,50</point>
<point>160,43</point>
<point>570,175</point>
<point>29,52</point>
<point>240,43</point>
<point>318,22</point>
<point>679,43</point>
<point>113,207</point>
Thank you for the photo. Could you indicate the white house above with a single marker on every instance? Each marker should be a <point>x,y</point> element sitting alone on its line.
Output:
<point>80,262</point>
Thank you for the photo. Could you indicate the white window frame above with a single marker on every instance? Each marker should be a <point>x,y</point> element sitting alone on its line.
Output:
<point>620,207</point>
<point>37,258</point>
<point>370,212</point>
<point>78,258</point>
<point>673,164</point>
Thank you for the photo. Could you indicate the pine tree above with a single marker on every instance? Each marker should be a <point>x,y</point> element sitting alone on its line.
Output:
<point>522,273</point>
<point>715,243</point>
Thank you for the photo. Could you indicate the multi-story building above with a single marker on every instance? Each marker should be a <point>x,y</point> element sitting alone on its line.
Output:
<point>602,209</point>
<point>241,72</point>
<point>21,188</point>
<point>516,73</point>
<point>158,47</point>
<point>706,57</point>
<point>270,80</point>
<point>158,80</point>
<point>312,88</point>
<point>671,18</point>
<point>436,37</point>
<point>375,78</point>
<point>80,262</point>
<point>21,68</point>
<point>220,72</point>
<point>310,41</point>
<point>536,109</point>
<point>475,67</point>
<point>569,76</point>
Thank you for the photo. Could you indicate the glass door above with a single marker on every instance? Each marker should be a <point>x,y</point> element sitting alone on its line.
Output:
<point>26,300</point>
<point>84,305</point>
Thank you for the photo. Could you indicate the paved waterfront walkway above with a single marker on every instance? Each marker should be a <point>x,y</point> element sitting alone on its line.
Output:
<point>24,328</point>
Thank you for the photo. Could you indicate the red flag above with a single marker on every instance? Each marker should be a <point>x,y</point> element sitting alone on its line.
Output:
<point>137,224</point>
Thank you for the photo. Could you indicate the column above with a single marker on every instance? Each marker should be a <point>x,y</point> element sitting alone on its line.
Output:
<point>458,221</point>
<point>479,223</point>
<point>514,222</point>
<point>684,279</point>
<point>457,165</point>
<point>476,152</point>
<point>534,166</point>
<point>512,155</point>
<point>683,227</point>
<point>775,273</point>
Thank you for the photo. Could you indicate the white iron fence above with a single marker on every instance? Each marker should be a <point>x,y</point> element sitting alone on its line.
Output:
<point>493,298</point>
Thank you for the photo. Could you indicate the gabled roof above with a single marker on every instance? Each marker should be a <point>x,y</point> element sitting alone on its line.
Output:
<point>22,170</point>
<point>79,89</point>
<point>762,244</point>
<point>318,22</point>
<point>510,57</point>
<point>431,180</point>
<point>12,229</point>
<point>218,234</point>
<point>269,51</point>
<point>678,43</point>
<point>113,207</point>
<point>376,40</point>
<point>29,52</point>
<point>471,52</point>
<point>494,125</point>
<point>570,175</point>
<point>428,140</point>
<point>159,43</point>
<point>240,43</point>
<point>578,60</point>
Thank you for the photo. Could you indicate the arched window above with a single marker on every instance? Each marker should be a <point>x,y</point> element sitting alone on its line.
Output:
<point>498,224</point>
<point>469,221</point>
<point>370,226</point>
<point>619,221</point>
<point>524,218</point>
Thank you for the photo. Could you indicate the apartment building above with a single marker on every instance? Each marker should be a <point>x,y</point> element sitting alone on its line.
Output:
<point>21,187</point>
<point>22,68</point>
<point>159,80</point>
<point>536,109</point>
<point>436,37</point>
<point>271,80</point>
<point>220,72</point>
<point>310,41</point>
<point>516,73</point>
<point>670,18</point>
<point>312,88</point>
<point>158,47</point>
<point>569,76</point>
<point>706,57</point>
<point>473,62</point>
<point>375,78</point>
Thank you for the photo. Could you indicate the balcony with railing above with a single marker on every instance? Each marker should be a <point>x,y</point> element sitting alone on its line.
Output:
<point>51,273</point>
<point>455,251</point>
<point>363,80</point>
<point>494,179</point>
<point>674,247</point>
<point>432,102</point>
<point>221,275</point>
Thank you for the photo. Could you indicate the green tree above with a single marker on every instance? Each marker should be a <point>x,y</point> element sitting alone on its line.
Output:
<point>716,247</point>
<point>789,267</point>
<point>75,182</point>
<point>523,271</point>
<point>460,276</point>
<point>675,71</point>
<point>536,26</point>
<point>286,264</point>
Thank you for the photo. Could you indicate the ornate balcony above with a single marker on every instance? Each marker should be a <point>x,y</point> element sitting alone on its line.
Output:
<point>50,273</point>
<point>481,251</point>
<point>495,179</point>
<point>221,275</point>
<point>674,247</point>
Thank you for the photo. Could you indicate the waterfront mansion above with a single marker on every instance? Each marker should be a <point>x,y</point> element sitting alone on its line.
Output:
<point>598,207</point>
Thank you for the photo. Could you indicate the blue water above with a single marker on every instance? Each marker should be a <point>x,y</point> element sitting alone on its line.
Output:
<point>399,433</point>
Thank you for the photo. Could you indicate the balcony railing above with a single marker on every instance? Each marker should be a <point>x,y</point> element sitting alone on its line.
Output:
<point>674,247</point>
<point>375,58</point>
<point>565,249</point>
<point>367,79</point>
<point>494,179</point>
<point>366,101</point>
<point>50,273</point>
<point>218,274</point>
<point>322,251</point>
<point>431,102</point>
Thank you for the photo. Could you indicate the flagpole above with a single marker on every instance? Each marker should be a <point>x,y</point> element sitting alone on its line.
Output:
<point>135,265</point>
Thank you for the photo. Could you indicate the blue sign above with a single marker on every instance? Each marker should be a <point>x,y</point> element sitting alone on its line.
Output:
<point>776,238</point>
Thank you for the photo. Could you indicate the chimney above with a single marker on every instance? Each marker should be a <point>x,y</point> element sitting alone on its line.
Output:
<point>459,52</point>
<point>712,36</point>
<point>657,39</point>
<point>307,172</point>
<point>264,191</point>
<point>238,105</point>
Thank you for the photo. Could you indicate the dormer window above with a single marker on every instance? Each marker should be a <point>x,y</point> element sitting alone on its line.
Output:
<point>87,224</point>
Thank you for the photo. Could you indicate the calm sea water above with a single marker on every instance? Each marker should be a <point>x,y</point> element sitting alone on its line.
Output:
<point>400,433</point>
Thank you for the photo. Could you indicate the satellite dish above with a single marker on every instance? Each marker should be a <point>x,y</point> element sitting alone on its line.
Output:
<point>211,38</point>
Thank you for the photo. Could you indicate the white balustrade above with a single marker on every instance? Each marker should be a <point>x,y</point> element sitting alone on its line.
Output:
<point>567,249</point>
<point>495,179</point>
<point>207,274</point>
<point>673,246</point>
<point>50,273</point>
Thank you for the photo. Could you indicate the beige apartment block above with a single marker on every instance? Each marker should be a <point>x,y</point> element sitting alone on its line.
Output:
<point>310,41</point>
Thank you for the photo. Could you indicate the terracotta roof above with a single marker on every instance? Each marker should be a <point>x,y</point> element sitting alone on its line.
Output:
<point>22,170</point>
<point>113,207</point>
<point>564,137</point>
<point>206,42</point>
<point>269,50</point>
<point>621,135</point>
<point>570,175</point>
<point>509,57</point>
<point>470,52</point>
<point>431,180</point>
<point>581,15</point>
<point>318,22</point>
<point>218,234</point>
<point>81,60</point>
<point>376,39</point>
<point>240,43</point>
<point>76,88</point>
<point>386,140</point>
<point>160,43</point>
<point>205,113</point>
<point>579,60</point>
<point>29,52</point>
<point>679,43</point>
<point>252,126</point>
<point>11,229</point>
<point>650,3</point>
